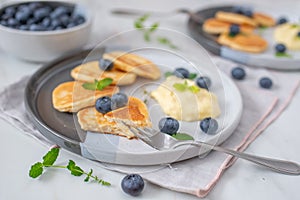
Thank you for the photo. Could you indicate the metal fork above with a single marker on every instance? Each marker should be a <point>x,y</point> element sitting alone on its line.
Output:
<point>161,141</point>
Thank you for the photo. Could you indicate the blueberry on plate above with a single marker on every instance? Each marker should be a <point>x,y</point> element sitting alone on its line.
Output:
<point>237,9</point>
<point>248,12</point>
<point>132,184</point>
<point>265,82</point>
<point>105,64</point>
<point>280,48</point>
<point>203,82</point>
<point>238,73</point>
<point>118,100</point>
<point>282,20</point>
<point>234,29</point>
<point>209,125</point>
<point>181,73</point>
<point>168,125</point>
<point>103,105</point>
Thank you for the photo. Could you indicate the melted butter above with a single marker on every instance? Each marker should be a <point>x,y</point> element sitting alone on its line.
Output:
<point>287,34</point>
<point>185,105</point>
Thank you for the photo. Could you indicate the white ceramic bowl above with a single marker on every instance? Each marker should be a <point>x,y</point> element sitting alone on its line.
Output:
<point>43,46</point>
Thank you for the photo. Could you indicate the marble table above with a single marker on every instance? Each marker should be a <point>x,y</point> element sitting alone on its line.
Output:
<point>242,181</point>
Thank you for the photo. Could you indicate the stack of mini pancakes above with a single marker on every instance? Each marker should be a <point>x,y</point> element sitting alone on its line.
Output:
<point>74,98</point>
<point>246,40</point>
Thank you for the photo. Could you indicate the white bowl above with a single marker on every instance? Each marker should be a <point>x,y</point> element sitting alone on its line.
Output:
<point>43,46</point>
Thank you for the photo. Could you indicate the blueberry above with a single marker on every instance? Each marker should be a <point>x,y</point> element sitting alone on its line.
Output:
<point>70,25</point>
<point>181,73</point>
<point>203,82</point>
<point>46,22</point>
<point>58,28</point>
<point>58,12</point>
<point>32,21</point>
<point>282,20</point>
<point>132,184</point>
<point>118,100</point>
<point>168,125</point>
<point>3,23</point>
<point>41,13</point>
<point>298,34</point>
<point>65,20</point>
<point>36,27</point>
<point>55,23</point>
<point>10,11</point>
<point>234,29</point>
<point>5,17</point>
<point>209,125</point>
<point>237,9</point>
<point>78,19</point>
<point>12,22</point>
<point>103,105</point>
<point>105,64</point>
<point>280,48</point>
<point>238,73</point>
<point>265,82</point>
<point>24,27</point>
<point>248,12</point>
<point>22,16</point>
<point>35,5</point>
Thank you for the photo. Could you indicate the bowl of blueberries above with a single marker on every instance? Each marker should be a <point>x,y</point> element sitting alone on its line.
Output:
<point>41,31</point>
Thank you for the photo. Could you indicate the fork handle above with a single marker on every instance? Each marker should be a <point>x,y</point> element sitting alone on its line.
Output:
<point>281,166</point>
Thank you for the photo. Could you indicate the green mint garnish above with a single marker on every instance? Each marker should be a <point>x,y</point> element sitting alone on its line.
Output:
<point>194,88</point>
<point>295,26</point>
<point>231,35</point>
<point>37,169</point>
<point>184,86</point>
<point>182,136</point>
<point>166,41</point>
<point>280,54</point>
<point>167,74</point>
<point>139,22</point>
<point>192,76</point>
<point>98,85</point>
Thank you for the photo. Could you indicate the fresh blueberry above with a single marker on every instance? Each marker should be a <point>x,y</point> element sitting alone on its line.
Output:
<point>59,28</point>
<point>41,13</point>
<point>3,23</point>
<point>78,19</point>
<point>58,12</point>
<point>12,22</point>
<point>5,17</point>
<point>24,27</point>
<point>10,11</point>
<point>265,82</point>
<point>31,21</point>
<point>46,22</point>
<point>248,12</point>
<point>238,73</point>
<point>234,29</point>
<point>36,27</point>
<point>237,9</point>
<point>105,64</point>
<point>298,34</point>
<point>203,82</point>
<point>103,105</point>
<point>35,5</point>
<point>23,7</point>
<point>118,100</point>
<point>55,23</point>
<point>168,125</point>
<point>181,73</point>
<point>132,184</point>
<point>22,16</point>
<point>280,48</point>
<point>70,25</point>
<point>209,125</point>
<point>65,20</point>
<point>282,20</point>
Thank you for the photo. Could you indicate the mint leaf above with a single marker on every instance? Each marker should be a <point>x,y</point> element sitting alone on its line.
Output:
<point>182,136</point>
<point>75,170</point>
<point>143,18</point>
<point>88,176</point>
<point>166,41</point>
<point>167,74</point>
<point>194,88</point>
<point>105,183</point>
<point>51,156</point>
<point>180,87</point>
<point>280,54</point>
<point>138,25</point>
<point>90,86</point>
<point>36,170</point>
<point>147,36</point>
<point>154,27</point>
<point>192,76</point>
<point>104,83</point>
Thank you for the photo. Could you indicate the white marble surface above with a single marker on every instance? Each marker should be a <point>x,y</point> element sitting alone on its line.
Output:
<point>242,181</point>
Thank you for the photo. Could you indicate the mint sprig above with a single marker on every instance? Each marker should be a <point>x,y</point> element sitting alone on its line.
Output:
<point>181,87</point>
<point>49,159</point>
<point>182,136</point>
<point>98,85</point>
<point>280,54</point>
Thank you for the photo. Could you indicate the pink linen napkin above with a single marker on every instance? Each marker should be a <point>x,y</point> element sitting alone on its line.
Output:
<point>261,108</point>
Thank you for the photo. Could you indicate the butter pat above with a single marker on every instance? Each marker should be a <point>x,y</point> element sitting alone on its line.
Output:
<point>185,105</point>
<point>287,34</point>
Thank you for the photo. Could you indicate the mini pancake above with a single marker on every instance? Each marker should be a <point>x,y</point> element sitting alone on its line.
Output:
<point>215,26</point>
<point>244,42</point>
<point>235,18</point>
<point>133,63</point>
<point>135,114</point>
<point>72,97</point>
<point>263,19</point>
<point>89,72</point>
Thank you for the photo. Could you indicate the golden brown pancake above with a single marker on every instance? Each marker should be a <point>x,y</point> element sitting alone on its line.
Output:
<point>135,114</point>
<point>235,18</point>
<point>90,71</point>
<point>216,26</point>
<point>244,42</point>
<point>133,63</point>
<point>72,97</point>
<point>263,19</point>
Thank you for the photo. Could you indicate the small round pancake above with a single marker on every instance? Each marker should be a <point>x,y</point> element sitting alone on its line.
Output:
<point>244,42</point>
<point>235,18</point>
<point>263,19</point>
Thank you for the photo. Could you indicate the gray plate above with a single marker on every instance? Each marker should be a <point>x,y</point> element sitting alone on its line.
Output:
<point>266,59</point>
